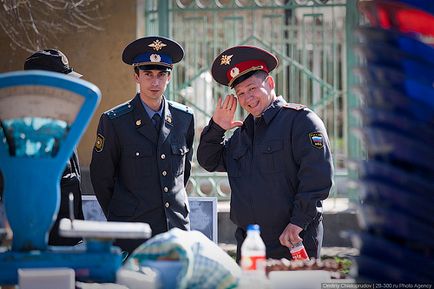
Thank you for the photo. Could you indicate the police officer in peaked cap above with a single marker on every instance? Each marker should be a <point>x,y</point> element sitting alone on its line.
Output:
<point>278,159</point>
<point>141,160</point>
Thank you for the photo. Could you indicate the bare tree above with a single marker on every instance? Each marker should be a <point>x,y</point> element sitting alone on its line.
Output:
<point>30,24</point>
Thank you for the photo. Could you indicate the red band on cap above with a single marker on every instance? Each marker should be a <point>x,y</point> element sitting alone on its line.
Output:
<point>244,67</point>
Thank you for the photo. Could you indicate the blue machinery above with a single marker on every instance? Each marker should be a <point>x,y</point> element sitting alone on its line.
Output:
<point>42,116</point>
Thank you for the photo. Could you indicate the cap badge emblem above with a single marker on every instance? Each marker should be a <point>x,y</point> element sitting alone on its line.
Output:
<point>157,45</point>
<point>226,59</point>
<point>155,58</point>
<point>234,72</point>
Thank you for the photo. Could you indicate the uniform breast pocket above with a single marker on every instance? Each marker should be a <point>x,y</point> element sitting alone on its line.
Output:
<point>179,152</point>
<point>238,162</point>
<point>137,162</point>
<point>271,156</point>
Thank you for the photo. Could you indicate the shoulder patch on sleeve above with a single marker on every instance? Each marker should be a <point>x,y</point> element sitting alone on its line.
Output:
<point>99,143</point>
<point>295,106</point>
<point>180,106</point>
<point>316,139</point>
<point>119,110</point>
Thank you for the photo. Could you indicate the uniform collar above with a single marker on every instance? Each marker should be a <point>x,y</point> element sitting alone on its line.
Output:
<point>267,115</point>
<point>151,112</point>
<point>143,122</point>
<point>272,109</point>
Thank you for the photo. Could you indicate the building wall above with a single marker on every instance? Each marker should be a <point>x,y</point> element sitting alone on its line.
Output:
<point>96,55</point>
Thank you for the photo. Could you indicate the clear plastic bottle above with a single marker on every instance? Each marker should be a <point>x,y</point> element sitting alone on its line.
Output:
<point>253,250</point>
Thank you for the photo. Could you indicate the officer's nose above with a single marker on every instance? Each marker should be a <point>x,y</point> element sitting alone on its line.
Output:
<point>155,81</point>
<point>249,96</point>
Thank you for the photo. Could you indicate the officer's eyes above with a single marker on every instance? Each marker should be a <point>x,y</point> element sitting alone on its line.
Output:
<point>149,75</point>
<point>242,93</point>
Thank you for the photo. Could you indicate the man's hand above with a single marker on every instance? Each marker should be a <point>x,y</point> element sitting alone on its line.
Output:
<point>224,113</point>
<point>290,235</point>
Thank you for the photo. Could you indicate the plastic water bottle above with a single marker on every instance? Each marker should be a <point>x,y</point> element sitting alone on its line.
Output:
<point>253,250</point>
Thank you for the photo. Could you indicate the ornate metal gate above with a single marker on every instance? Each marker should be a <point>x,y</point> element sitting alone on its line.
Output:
<point>309,38</point>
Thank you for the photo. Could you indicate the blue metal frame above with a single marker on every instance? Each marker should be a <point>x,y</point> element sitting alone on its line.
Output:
<point>35,181</point>
<point>32,194</point>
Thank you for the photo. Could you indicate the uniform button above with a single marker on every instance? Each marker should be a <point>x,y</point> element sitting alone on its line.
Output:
<point>164,173</point>
<point>167,204</point>
<point>268,148</point>
<point>137,153</point>
<point>165,189</point>
<point>163,156</point>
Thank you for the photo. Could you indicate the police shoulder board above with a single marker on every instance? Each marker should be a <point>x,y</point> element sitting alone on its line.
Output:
<point>295,106</point>
<point>119,110</point>
<point>180,107</point>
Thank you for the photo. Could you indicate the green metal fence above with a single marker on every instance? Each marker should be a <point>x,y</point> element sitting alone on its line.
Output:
<point>311,39</point>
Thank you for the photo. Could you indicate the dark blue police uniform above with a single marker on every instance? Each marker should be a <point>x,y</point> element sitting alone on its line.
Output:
<point>279,167</point>
<point>139,174</point>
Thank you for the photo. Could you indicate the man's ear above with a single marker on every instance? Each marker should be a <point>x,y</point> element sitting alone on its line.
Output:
<point>136,76</point>
<point>168,77</point>
<point>270,81</point>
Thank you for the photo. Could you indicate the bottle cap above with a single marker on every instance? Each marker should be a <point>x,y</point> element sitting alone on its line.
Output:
<point>253,227</point>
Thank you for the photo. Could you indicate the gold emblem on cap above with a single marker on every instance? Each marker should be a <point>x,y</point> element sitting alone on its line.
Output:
<point>157,45</point>
<point>226,59</point>
<point>155,58</point>
<point>234,72</point>
<point>138,122</point>
<point>168,118</point>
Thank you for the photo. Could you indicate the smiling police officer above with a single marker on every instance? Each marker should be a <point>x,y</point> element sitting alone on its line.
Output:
<point>141,161</point>
<point>278,160</point>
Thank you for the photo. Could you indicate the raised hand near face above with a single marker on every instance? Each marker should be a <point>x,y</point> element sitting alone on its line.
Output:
<point>225,112</point>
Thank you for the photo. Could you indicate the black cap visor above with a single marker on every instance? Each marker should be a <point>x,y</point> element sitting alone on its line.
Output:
<point>154,67</point>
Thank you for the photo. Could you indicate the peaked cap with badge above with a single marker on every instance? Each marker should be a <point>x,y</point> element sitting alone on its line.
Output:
<point>235,62</point>
<point>153,52</point>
